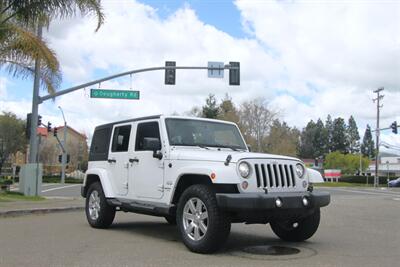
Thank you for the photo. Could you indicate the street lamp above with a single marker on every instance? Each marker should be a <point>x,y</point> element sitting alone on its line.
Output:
<point>64,151</point>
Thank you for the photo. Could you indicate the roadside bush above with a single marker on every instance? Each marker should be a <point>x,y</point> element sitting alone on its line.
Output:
<point>363,179</point>
<point>57,179</point>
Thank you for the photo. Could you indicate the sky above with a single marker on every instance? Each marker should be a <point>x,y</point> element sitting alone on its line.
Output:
<point>307,59</point>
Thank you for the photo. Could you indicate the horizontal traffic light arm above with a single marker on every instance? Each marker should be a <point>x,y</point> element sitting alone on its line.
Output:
<point>78,87</point>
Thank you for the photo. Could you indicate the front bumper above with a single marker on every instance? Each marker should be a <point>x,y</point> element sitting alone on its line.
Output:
<point>253,202</point>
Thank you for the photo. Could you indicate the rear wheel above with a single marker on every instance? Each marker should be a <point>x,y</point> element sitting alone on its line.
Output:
<point>98,213</point>
<point>203,227</point>
<point>297,230</point>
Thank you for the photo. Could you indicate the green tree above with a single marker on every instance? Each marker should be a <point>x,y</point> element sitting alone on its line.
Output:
<point>282,139</point>
<point>306,147</point>
<point>353,137</point>
<point>368,145</point>
<point>12,136</point>
<point>320,139</point>
<point>228,111</point>
<point>348,163</point>
<point>329,132</point>
<point>210,109</point>
<point>20,47</point>
<point>339,140</point>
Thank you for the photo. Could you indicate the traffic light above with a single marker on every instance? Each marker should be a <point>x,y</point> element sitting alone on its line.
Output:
<point>394,127</point>
<point>68,158</point>
<point>39,122</point>
<point>49,127</point>
<point>170,73</point>
<point>60,158</point>
<point>28,125</point>
<point>55,131</point>
<point>234,74</point>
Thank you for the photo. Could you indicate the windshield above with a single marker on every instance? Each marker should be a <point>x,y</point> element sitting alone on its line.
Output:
<point>186,132</point>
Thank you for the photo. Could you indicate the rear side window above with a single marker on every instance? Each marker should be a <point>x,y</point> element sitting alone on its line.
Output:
<point>146,129</point>
<point>120,142</point>
<point>100,144</point>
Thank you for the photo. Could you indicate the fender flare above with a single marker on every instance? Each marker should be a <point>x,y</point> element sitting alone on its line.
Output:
<point>105,182</point>
<point>314,176</point>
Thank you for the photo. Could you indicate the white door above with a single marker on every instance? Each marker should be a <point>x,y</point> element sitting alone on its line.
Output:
<point>146,172</point>
<point>118,158</point>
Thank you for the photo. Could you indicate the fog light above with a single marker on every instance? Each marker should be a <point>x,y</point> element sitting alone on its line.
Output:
<point>304,184</point>
<point>278,202</point>
<point>245,185</point>
<point>305,201</point>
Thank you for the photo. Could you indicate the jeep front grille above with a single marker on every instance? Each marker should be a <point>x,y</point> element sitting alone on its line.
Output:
<point>275,175</point>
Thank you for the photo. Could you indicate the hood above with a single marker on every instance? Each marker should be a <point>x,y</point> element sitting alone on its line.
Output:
<point>201,154</point>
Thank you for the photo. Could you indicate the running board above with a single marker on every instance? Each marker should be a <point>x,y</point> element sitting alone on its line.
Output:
<point>142,207</point>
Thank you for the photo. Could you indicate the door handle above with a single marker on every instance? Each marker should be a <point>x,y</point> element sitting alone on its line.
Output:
<point>111,161</point>
<point>133,160</point>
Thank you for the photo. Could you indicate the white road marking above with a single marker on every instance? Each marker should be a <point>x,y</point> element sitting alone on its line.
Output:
<point>364,192</point>
<point>58,188</point>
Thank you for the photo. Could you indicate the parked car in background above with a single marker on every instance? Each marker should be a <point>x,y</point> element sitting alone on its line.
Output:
<point>394,183</point>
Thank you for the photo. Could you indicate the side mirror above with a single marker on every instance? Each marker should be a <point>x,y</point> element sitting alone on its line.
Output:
<point>152,144</point>
<point>157,154</point>
<point>249,147</point>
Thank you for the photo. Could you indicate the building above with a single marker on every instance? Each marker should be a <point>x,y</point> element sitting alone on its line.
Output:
<point>50,150</point>
<point>389,165</point>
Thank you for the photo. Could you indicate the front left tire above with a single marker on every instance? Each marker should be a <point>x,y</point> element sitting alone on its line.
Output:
<point>98,213</point>
<point>203,226</point>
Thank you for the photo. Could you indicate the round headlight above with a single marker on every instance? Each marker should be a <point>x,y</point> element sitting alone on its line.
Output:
<point>244,169</point>
<point>299,170</point>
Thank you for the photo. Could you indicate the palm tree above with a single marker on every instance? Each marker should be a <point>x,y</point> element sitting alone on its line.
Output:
<point>20,47</point>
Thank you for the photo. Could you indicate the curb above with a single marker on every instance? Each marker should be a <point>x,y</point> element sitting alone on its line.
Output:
<point>15,213</point>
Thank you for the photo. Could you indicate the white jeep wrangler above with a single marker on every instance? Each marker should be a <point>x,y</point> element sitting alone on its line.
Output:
<point>199,174</point>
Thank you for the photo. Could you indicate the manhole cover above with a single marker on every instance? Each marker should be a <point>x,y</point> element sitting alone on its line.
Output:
<point>274,252</point>
<point>271,250</point>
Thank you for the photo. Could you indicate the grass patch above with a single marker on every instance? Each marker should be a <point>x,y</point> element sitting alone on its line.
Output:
<point>344,184</point>
<point>16,196</point>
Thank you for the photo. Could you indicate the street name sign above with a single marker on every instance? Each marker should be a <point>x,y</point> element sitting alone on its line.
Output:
<point>114,94</point>
<point>216,73</point>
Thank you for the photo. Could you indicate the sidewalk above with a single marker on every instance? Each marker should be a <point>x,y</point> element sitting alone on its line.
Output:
<point>50,204</point>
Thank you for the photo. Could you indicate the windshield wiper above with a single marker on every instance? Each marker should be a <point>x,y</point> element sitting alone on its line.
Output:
<point>203,146</point>
<point>231,147</point>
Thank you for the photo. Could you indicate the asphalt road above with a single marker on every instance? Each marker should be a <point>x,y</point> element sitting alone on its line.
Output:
<point>359,228</point>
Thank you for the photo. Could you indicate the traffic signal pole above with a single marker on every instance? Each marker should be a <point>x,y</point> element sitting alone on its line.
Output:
<point>33,141</point>
<point>75,88</point>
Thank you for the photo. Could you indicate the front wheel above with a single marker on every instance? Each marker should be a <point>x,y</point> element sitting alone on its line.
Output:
<point>297,230</point>
<point>98,213</point>
<point>203,227</point>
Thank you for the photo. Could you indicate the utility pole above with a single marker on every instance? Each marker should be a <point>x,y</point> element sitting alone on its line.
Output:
<point>64,151</point>
<point>33,141</point>
<point>378,107</point>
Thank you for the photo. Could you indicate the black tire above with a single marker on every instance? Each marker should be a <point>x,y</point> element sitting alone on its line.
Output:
<point>106,213</point>
<point>170,219</point>
<point>218,223</point>
<point>297,231</point>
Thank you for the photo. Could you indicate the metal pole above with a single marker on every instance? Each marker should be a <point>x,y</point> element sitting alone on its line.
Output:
<point>33,142</point>
<point>64,151</point>
<point>378,107</point>
<point>72,89</point>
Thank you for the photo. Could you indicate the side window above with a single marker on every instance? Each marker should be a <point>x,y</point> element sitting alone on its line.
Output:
<point>146,130</point>
<point>120,141</point>
<point>100,144</point>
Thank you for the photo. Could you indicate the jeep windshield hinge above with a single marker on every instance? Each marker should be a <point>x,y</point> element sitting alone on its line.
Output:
<point>228,160</point>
